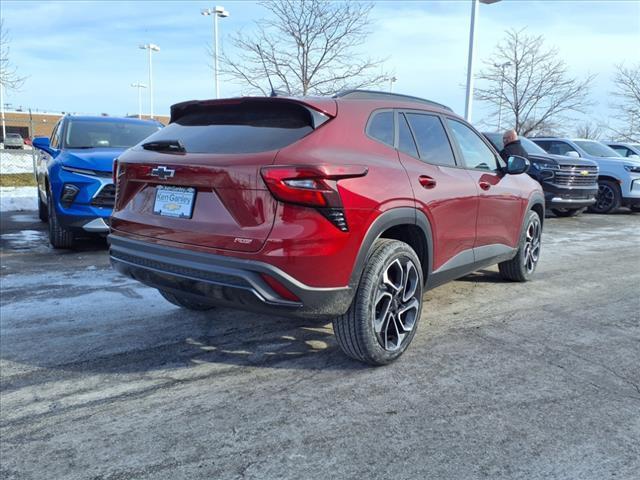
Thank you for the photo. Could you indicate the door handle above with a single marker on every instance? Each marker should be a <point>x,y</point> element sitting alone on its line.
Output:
<point>426,181</point>
<point>485,185</point>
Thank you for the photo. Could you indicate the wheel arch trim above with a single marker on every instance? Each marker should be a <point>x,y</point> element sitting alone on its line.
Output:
<point>393,218</point>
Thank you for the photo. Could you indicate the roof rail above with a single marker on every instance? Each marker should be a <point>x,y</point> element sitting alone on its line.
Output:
<point>377,95</point>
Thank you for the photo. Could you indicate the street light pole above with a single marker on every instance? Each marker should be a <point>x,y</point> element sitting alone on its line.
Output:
<point>215,13</point>
<point>151,48</point>
<point>469,93</point>
<point>392,80</point>
<point>4,130</point>
<point>139,86</point>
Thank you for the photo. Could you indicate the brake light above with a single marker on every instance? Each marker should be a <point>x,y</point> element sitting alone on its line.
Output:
<point>312,186</point>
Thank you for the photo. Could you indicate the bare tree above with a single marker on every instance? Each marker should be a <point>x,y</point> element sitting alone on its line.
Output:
<point>306,47</point>
<point>589,130</point>
<point>531,85</point>
<point>627,105</point>
<point>9,78</point>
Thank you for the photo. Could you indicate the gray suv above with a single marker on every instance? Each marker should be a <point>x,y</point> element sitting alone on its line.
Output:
<point>619,177</point>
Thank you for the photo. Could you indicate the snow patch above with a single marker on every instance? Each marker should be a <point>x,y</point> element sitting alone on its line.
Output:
<point>18,199</point>
<point>24,238</point>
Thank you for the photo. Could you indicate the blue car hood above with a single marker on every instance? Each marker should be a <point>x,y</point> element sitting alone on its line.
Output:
<point>100,159</point>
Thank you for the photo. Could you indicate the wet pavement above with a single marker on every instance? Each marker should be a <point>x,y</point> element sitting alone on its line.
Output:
<point>101,378</point>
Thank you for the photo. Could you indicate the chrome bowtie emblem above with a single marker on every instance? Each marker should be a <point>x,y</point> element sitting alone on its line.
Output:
<point>162,172</point>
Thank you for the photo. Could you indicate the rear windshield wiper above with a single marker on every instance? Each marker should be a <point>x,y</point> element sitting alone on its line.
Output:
<point>169,146</point>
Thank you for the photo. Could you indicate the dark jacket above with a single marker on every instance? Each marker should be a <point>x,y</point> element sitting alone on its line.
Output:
<point>513,148</point>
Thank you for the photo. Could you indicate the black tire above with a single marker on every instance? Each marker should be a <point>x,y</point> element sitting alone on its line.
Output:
<point>608,197</point>
<point>566,212</point>
<point>397,303</point>
<point>59,237</point>
<point>185,302</point>
<point>43,213</point>
<point>635,209</point>
<point>521,267</point>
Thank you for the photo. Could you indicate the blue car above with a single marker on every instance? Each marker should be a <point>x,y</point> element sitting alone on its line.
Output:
<point>74,173</point>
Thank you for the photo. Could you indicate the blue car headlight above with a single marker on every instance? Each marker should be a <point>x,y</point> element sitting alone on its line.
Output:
<point>632,168</point>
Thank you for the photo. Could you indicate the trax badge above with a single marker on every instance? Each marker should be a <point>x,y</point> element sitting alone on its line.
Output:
<point>584,172</point>
<point>162,172</point>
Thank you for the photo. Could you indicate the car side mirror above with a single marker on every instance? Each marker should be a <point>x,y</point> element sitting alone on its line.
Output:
<point>573,154</point>
<point>43,144</point>
<point>634,156</point>
<point>517,165</point>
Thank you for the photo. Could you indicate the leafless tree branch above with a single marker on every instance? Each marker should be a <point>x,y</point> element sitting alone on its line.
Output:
<point>307,47</point>
<point>530,84</point>
<point>9,78</point>
<point>627,103</point>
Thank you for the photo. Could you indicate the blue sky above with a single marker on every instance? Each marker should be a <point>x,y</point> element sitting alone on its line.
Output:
<point>83,56</point>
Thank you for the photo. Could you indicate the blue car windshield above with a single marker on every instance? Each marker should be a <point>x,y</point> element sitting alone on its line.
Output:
<point>106,133</point>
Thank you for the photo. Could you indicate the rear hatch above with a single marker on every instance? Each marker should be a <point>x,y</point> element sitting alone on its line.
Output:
<point>197,181</point>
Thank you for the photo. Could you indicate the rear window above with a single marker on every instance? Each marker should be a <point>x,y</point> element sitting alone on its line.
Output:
<point>243,128</point>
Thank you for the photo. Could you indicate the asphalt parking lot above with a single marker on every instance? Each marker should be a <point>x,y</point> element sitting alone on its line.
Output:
<point>103,379</point>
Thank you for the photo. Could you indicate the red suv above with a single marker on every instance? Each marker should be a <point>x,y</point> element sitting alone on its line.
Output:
<point>346,208</point>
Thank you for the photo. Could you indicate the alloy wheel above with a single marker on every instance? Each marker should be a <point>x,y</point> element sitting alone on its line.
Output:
<point>532,245</point>
<point>397,304</point>
<point>605,198</point>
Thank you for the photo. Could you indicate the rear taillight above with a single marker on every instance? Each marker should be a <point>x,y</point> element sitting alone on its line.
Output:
<point>312,186</point>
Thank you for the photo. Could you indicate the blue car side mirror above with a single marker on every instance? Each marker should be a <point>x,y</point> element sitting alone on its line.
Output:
<point>43,144</point>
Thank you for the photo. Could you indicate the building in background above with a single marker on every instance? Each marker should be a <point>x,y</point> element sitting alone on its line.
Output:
<point>40,124</point>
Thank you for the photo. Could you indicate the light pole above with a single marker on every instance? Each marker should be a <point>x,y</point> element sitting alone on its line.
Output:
<point>151,47</point>
<point>501,66</point>
<point>469,96</point>
<point>4,131</point>
<point>215,13</point>
<point>139,86</point>
<point>392,80</point>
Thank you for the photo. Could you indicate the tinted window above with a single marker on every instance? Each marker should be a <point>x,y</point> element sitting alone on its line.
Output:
<point>431,138</point>
<point>406,143</point>
<point>559,148</point>
<point>381,127</point>
<point>244,128</point>
<point>544,144</point>
<point>107,133</point>
<point>475,153</point>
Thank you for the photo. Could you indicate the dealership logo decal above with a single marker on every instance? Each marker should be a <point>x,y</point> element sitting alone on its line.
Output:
<point>162,172</point>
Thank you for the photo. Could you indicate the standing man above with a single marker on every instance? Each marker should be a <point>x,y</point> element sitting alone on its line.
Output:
<point>512,146</point>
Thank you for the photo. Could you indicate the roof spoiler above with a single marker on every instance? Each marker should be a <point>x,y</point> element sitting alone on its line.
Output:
<point>318,111</point>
